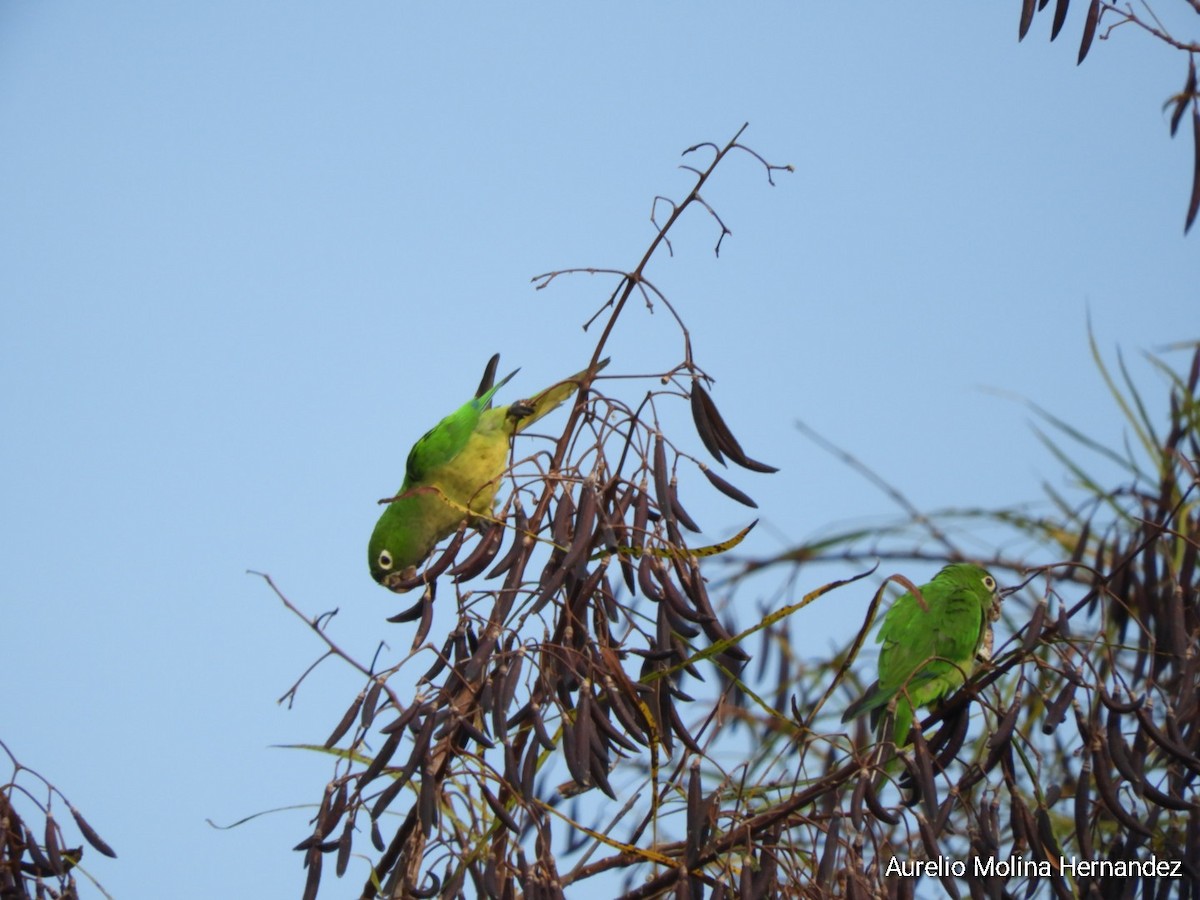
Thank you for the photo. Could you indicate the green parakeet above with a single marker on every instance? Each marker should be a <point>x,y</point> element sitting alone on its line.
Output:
<point>928,653</point>
<point>453,473</point>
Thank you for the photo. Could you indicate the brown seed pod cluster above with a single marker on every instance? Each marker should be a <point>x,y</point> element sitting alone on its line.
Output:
<point>34,858</point>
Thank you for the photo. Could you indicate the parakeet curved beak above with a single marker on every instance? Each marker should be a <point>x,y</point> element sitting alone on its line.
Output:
<point>391,579</point>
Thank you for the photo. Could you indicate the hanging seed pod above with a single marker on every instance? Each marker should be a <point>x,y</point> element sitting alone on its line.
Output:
<point>1033,631</point>
<point>522,541</point>
<point>427,802</point>
<point>89,833</point>
<point>704,427</point>
<point>1089,30</point>
<point>417,610</point>
<point>402,721</point>
<point>342,727</point>
<point>726,488</point>
<point>1060,16</point>
<point>422,631</point>
<point>500,810</point>
<point>481,557</point>
<point>585,521</point>
<point>382,758</point>
<point>677,508</point>
<point>721,434</point>
<point>345,843</point>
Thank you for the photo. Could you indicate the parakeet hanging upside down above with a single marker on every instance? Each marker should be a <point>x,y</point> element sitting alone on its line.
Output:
<point>928,654</point>
<point>453,472</point>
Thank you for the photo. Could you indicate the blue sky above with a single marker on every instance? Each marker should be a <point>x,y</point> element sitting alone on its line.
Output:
<point>249,252</point>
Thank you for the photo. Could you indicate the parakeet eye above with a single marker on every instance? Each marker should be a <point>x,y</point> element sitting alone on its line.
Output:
<point>989,582</point>
<point>385,559</point>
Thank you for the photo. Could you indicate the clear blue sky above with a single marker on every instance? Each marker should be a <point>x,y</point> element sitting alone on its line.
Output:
<point>249,252</point>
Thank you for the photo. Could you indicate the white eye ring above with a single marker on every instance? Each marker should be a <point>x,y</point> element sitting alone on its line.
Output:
<point>385,559</point>
<point>989,582</point>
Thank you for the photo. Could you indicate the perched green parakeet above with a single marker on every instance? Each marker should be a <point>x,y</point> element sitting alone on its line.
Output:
<point>927,653</point>
<point>453,473</point>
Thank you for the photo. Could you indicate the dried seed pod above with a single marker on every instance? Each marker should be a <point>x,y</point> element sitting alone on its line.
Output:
<point>89,833</point>
<point>528,771</point>
<point>611,732</point>
<point>827,867</point>
<point>857,798</point>
<point>402,720</point>
<point>40,862</point>
<point>1083,809</point>
<point>468,728</point>
<point>695,815</point>
<point>1027,8</point>
<point>522,541</point>
<point>950,738</point>
<point>426,623</point>
<point>345,843</point>
<point>612,533</point>
<point>923,776</point>
<point>676,601</point>
<point>704,426</point>
<point>1118,750</point>
<point>1108,795</point>
<point>1180,753</point>
<point>677,507</point>
<point>564,514</point>
<point>427,802</point>
<point>512,679</point>
<point>641,518</point>
<point>1110,702</point>
<point>371,704</point>
<point>539,727</point>
<point>1033,631</point>
<point>628,714</point>
<point>1056,712</point>
<point>377,837</point>
<point>662,475</point>
<point>481,557</point>
<point>1089,30</point>
<point>585,520</point>
<point>681,729</point>
<point>440,661</point>
<point>722,435</point>
<point>413,612</point>
<point>341,728</point>
<point>1060,16</point>
<point>726,488</point>
<point>500,810</point>
<point>382,758</point>
<point>53,850</point>
<point>1165,800</point>
<point>598,772</point>
<point>575,754</point>
<point>647,567</point>
<point>385,798</point>
<point>999,742</point>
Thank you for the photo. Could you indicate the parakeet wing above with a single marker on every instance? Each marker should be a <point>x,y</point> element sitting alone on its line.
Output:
<point>445,440</point>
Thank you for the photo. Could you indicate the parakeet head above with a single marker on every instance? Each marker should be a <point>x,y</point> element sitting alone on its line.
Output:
<point>397,544</point>
<point>968,575</point>
<point>980,583</point>
<point>383,560</point>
